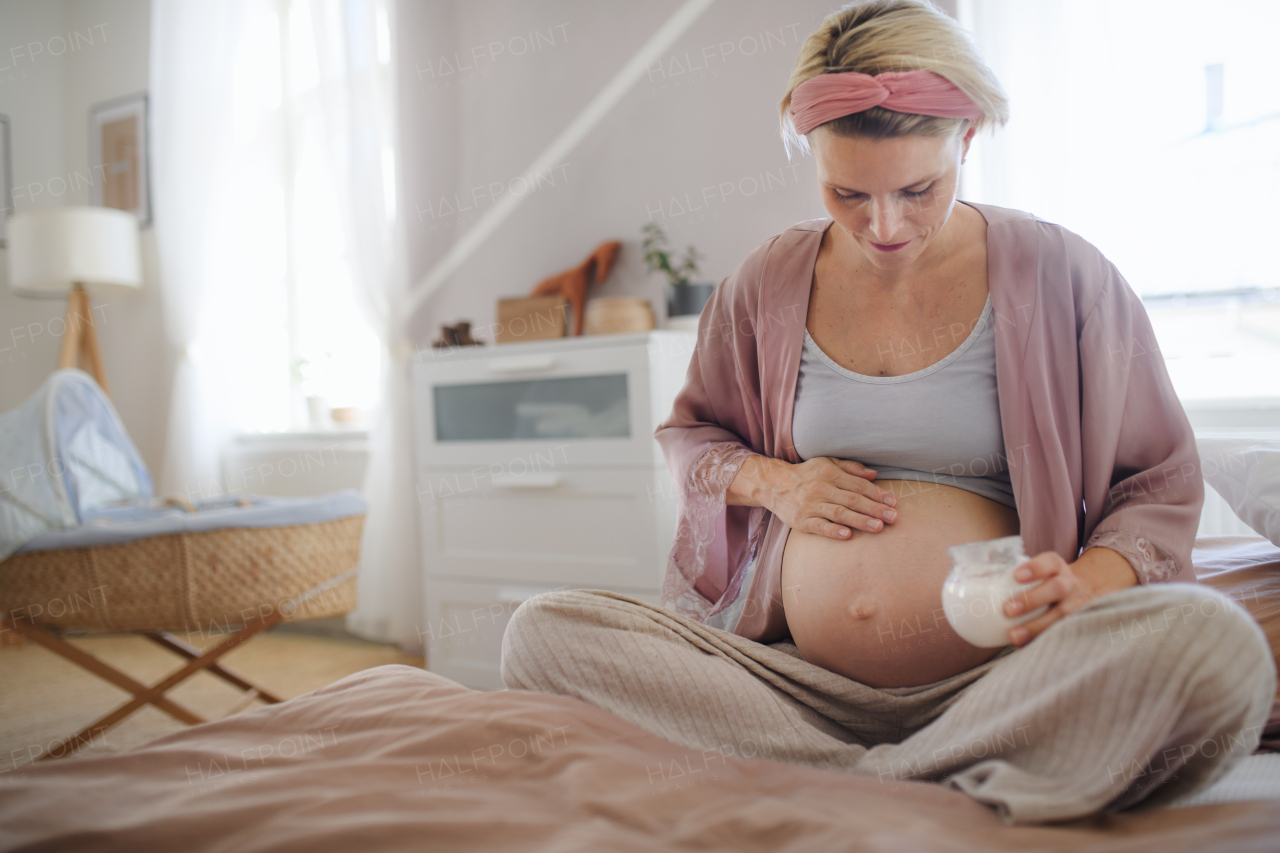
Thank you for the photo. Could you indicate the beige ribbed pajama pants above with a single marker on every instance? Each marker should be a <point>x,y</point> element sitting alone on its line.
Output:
<point>1150,694</point>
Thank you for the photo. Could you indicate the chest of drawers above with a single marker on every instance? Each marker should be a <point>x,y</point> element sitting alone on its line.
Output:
<point>537,470</point>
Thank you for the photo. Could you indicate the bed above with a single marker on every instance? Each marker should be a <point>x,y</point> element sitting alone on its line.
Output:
<point>398,758</point>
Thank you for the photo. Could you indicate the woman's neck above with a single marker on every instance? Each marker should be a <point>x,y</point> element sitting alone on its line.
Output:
<point>949,247</point>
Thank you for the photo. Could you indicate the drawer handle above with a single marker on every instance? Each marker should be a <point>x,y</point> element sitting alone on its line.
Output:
<point>528,481</point>
<point>521,364</point>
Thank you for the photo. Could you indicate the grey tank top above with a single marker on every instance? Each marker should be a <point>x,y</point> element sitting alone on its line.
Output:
<point>939,424</point>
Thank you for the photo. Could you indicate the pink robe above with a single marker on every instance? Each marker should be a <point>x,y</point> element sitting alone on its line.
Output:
<point>1099,449</point>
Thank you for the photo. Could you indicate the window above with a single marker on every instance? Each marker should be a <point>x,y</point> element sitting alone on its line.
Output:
<point>1152,129</point>
<point>300,332</point>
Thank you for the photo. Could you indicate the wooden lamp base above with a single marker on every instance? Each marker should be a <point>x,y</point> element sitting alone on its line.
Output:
<point>80,340</point>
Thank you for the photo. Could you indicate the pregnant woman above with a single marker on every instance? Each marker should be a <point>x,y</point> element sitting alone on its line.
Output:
<point>912,373</point>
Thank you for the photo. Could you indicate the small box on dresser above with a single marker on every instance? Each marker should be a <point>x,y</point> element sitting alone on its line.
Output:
<point>538,470</point>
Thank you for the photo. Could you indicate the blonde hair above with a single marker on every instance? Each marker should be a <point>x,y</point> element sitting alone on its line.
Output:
<point>872,36</point>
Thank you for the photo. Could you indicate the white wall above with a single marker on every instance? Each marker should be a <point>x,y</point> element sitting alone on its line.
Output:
<point>47,99</point>
<point>673,136</point>
<point>31,96</point>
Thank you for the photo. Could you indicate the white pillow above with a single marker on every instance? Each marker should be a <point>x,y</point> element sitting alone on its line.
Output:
<point>1246,472</point>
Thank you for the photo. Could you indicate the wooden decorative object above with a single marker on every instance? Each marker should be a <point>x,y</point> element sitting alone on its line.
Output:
<point>458,335</point>
<point>573,284</point>
<point>619,315</point>
<point>532,318</point>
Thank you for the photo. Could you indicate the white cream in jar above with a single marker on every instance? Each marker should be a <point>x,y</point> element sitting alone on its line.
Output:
<point>980,582</point>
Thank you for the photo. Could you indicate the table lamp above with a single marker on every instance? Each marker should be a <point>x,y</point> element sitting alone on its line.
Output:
<point>56,252</point>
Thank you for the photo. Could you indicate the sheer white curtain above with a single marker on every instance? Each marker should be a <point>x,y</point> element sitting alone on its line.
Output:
<point>184,129</point>
<point>219,232</point>
<point>274,138</point>
<point>357,93</point>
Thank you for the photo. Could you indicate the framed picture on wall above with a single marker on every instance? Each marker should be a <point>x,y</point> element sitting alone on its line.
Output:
<point>119,155</point>
<point>6,181</point>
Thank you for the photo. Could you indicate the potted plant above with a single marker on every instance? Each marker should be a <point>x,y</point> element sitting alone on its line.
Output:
<point>684,298</point>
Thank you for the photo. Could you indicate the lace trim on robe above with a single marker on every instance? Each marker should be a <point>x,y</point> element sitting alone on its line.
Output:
<point>701,504</point>
<point>1151,563</point>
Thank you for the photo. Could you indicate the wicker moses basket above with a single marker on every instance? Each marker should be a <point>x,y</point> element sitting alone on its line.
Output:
<point>215,575</point>
<point>84,545</point>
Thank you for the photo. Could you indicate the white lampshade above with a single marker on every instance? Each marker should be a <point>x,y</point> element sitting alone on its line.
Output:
<point>52,249</point>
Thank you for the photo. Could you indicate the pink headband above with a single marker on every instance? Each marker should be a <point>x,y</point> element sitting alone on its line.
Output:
<point>825,97</point>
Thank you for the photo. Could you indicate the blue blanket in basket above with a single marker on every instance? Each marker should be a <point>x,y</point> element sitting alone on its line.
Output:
<point>63,454</point>
<point>144,519</point>
<point>71,478</point>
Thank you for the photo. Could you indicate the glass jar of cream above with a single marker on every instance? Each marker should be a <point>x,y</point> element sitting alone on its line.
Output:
<point>980,582</point>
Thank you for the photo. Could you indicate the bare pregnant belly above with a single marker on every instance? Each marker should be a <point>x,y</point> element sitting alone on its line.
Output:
<point>870,607</point>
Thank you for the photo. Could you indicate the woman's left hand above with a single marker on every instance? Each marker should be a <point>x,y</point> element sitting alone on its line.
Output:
<point>1064,587</point>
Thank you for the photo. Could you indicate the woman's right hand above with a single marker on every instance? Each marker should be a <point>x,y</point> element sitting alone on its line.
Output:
<point>824,495</point>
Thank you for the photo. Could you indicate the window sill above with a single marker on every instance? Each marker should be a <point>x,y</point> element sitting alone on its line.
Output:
<point>296,464</point>
<point>1246,415</point>
<point>294,437</point>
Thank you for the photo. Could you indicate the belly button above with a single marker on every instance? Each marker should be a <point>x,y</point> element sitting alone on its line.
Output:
<point>862,608</point>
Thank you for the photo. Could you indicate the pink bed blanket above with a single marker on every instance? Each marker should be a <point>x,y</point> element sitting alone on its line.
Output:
<point>396,758</point>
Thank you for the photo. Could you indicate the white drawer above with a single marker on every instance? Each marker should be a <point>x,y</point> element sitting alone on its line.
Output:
<point>557,526</point>
<point>592,405</point>
<point>465,622</point>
